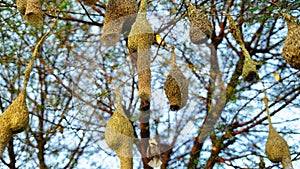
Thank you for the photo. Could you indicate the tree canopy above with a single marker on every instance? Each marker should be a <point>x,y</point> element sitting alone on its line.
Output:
<point>71,90</point>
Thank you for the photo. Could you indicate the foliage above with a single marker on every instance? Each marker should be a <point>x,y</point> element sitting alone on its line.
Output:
<point>71,90</point>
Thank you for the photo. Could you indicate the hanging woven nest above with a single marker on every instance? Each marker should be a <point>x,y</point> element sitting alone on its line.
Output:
<point>141,33</point>
<point>291,47</point>
<point>119,17</point>
<point>21,6</point>
<point>119,134</point>
<point>176,86</point>
<point>200,25</point>
<point>250,73</point>
<point>140,40</point>
<point>277,149</point>
<point>17,115</point>
<point>34,14</point>
<point>14,119</point>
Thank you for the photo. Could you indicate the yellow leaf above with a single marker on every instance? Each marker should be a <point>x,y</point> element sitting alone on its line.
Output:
<point>159,40</point>
<point>277,76</point>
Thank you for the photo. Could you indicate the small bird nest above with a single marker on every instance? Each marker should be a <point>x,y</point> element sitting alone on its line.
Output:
<point>141,34</point>
<point>14,120</point>
<point>249,72</point>
<point>119,132</point>
<point>291,47</point>
<point>176,86</point>
<point>17,115</point>
<point>140,40</point>
<point>200,25</point>
<point>21,6</point>
<point>34,13</point>
<point>277,149</point>
<point>119,17</point>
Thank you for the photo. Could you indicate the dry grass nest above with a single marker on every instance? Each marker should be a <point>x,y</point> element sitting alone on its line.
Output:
<point>291,47</point>
<point>200,25</point>
<point>119,17</point>
<point>14,120</point>
<point>34,14</point>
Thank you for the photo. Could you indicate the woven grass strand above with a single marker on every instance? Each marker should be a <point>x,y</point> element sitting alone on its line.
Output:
<point>277,149</point>
<point>21,6</point>
<point>34,13</point>
<point>176,86</point>
<point>200,25</point>
<point>291,47</point>
<point>15,118</point>
<point>119,17</point>
<point>119,134</point>
<point>249,72</point>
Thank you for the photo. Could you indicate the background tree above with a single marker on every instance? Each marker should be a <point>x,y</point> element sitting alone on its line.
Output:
<point>71,90</point>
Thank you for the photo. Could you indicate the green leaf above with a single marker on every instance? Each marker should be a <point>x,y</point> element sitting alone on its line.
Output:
<point>63,5</point>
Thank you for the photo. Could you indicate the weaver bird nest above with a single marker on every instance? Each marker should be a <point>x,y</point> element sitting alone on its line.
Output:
<point>277,149</point>
<point>291,47</point>
<point>119,131</point>
<point>249,72</point>
<point>200,26</point>
<point>21,6</point>
<point>176,86</point>
<point>140,40</point>
<point>34,13</point>
<point>119,17</point>
<point>141,34</point>
<point>14,120</point>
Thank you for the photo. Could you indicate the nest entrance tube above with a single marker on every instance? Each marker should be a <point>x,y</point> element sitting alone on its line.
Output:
<point>200,25</point>
<point>277,149</point>
<point>291,47</point>
<point>176,86</point>
<point>119,134</point>
<point>119,17</point>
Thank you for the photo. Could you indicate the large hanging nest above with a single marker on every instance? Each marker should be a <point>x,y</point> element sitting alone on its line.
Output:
<point>21,6</point>
<point>200,25</point>
<point>249,73</point>
<point>34,14</point>
<point>119,17</point>
<point>15,118</point>
<point>277,149</point>
<point>291,47</point>
<point>119,134</point>
<point>176,86</point>
<point>140,39</point>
